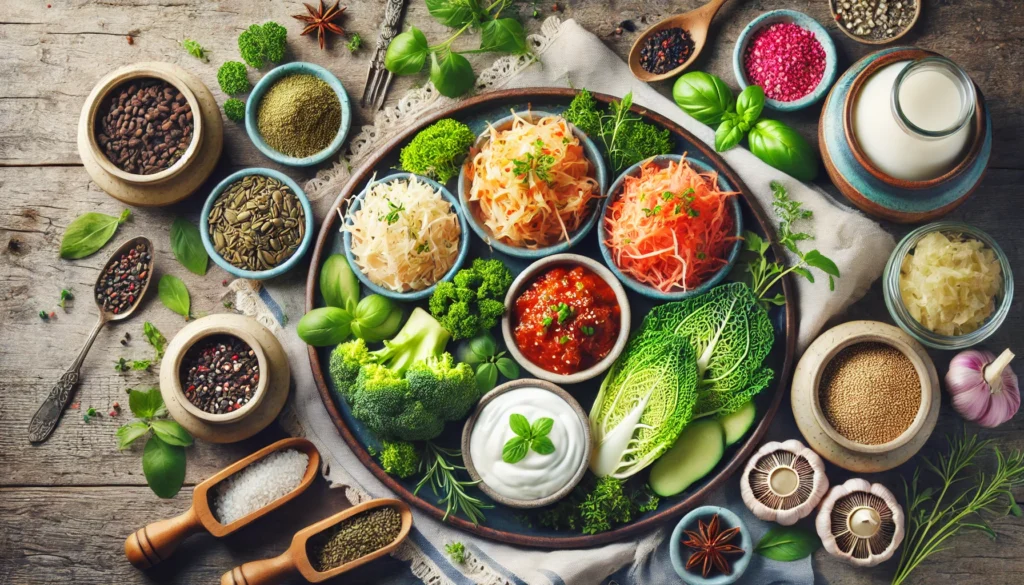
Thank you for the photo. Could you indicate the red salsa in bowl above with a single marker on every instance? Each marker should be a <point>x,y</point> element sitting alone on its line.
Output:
<point>566,320</point>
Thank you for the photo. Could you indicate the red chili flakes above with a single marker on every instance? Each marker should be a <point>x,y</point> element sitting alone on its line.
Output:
<point>786,60</point>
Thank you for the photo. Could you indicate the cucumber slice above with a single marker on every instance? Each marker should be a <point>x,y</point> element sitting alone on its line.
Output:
<point>697,450</point>
<point>738,423</point>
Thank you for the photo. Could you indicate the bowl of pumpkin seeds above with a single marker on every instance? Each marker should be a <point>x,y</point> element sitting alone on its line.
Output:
<point>257,224</point>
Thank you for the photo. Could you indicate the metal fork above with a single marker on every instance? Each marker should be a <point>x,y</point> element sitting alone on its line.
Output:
<point>378,79</point>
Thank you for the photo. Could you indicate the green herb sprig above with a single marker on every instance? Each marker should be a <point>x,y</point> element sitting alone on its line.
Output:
<point>764,274</point>
<point>528,436</point>
<point>441,475</point>
<point>163,457</point>
<point>195,49</point>
<point>534,163</point>
<point>155,338</point>
<point>65,296</point>
<point>482,354</point>
<point>456,552</point>
<point>965,498</point>
<point>626,138</point>
<point>355,42</point>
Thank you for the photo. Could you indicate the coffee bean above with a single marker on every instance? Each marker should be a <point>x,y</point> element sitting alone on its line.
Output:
<point>144,127</point>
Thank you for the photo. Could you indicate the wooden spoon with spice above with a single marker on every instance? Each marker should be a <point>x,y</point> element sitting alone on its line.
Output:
<point>118,292</point>
<point>349,539</point>
<point>154,543</point>
<point>685,46</point>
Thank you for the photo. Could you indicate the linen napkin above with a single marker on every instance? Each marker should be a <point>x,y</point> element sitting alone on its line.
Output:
<point>564,54</point>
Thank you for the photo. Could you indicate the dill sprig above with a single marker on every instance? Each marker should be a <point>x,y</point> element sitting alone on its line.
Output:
<point>440,473</point>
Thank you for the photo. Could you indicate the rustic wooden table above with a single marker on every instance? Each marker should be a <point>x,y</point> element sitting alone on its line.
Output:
<point>67,505</point>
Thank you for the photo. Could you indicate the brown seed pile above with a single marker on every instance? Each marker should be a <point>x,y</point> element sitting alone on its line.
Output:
<point>870,393</point>
<point>354,538</point>
<point>257,223</point>
<point>145,126</point>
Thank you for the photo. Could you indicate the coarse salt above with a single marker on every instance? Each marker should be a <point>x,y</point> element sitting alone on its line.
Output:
<point>258,485</point>
<point>786,60</point>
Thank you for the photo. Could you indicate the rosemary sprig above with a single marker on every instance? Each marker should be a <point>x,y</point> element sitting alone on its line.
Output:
<point>439,472</point>
<point>935,516</point>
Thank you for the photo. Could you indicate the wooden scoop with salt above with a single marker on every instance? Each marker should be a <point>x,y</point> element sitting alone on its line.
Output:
<point>157,541</point>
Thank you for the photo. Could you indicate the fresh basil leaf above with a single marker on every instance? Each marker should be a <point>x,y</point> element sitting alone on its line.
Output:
<point>703,96</point>
<point>750,103</point>
<point>174,295</point>
<point>145,404</point>
<point>519,424</point>
<point>324,326</point>
<point>783,148</point>
<point>454,13</point>
<point>508,368</point>
<point>515,450</point>
<point>164,467</point>
<point>486,377</point>
<point>483,346</point>
<point>504,35</point>
<point>88,233</point>
<point>453,75</point>
<point>787,543</point>
<point>171,432</point>
<point>187,246</point>
<point>339,284</point>
<point>376,318</point>
<point>543,445</point>
<point>542,426</point>
<point>127,434</point>
<point>407,52</point>
<point>155,338</point>
<point>728,135</point>
<point>816,259</point>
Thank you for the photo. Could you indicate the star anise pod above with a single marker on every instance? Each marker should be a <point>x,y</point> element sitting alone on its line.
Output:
<point>711,544</point>
<point>321,21</point>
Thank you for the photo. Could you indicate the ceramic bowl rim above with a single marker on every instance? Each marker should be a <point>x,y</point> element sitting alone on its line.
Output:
<point>901,316</point>
<point>467,432</point>
<point>204,225</point>
<point>264,84</point>
<point>649,291</point>
<point>978,124</point>
<point>739,566</point>
<point>847,340</point>
<point>804,21</point>
<point>526,277</point>
<point>120,78</point>
<point>261,387</point>
<point>356,201</point>
<point>600,173</point>
<point>864,41</point>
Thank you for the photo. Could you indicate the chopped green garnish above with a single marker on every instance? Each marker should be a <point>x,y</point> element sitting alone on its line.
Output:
<point>547,322</point>
<point>536,162</point>
<point>666,195</point>
<point>424,247</point>
<point>65,296</point>
<point>563,339</point>
<point>392,215</point>
<point>354,43</point>
<point>587,329</point>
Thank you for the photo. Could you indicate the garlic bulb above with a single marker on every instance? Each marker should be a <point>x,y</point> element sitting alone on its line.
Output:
<point>860,522</point>
<point>983,387</point>
<point>783,482</point>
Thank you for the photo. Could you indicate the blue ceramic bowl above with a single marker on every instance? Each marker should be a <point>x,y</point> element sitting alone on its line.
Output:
<point>600,173</point>
<point>647,290</point>
<point>204,225</point>
<point>680,554</point>
<point>357,202</point>
<point>792,17</point>
<point>275,75</point>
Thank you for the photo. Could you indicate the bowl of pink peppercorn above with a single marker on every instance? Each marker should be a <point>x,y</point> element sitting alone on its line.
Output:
<point>789,55</point>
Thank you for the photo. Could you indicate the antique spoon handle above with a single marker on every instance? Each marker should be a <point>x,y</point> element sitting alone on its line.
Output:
<point>45,419</point>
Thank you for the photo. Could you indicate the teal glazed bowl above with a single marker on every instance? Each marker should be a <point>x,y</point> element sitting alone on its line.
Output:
<point>204,226</point>
<point>252,106</point>
<point>598,172</point>
<point>901,315</point>
<point>645,289</point>
<point>802,20</point>
<point>679,554</point>
<point>357,202</point>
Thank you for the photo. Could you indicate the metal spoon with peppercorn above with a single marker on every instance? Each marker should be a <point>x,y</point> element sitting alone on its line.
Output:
<point>668,47</point>
<point>118,291</point>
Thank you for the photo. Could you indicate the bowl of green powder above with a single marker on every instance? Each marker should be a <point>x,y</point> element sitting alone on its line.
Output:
<point>298,114</point>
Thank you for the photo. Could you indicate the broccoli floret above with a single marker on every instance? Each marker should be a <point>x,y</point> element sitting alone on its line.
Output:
<point>420,338</point>
<point>438,150</point>
<point>233,78</point>
<point>443,386</point>
<point>346,361</point>
<point>234,109</point>
<point>399,458</point>
<point>475,299</point>
<point>456,552</point>
<point>262,42</point>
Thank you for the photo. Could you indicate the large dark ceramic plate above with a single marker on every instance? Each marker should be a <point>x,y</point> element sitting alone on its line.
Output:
<point>502,523</point>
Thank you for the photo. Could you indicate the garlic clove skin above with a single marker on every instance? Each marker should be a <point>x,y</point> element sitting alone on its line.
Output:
<point>984,389</point>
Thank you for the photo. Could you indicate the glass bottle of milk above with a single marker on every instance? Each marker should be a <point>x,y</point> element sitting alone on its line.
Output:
<point>912,118</point>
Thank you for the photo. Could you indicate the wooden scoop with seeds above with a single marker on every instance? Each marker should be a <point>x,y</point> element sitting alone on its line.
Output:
<point>297,558</point>
<point>154,543</point>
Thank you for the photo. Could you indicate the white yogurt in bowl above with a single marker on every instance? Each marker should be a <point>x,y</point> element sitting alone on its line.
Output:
<point>537,477</point>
